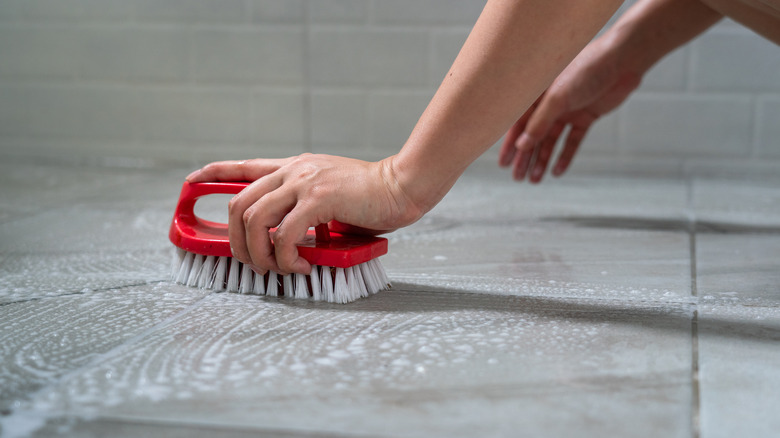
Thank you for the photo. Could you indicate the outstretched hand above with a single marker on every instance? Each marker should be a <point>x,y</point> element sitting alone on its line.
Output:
<point>592,85</point>
<point>300,192</point>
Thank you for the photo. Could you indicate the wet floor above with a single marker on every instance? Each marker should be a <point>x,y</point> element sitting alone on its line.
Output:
<point>587,306</point>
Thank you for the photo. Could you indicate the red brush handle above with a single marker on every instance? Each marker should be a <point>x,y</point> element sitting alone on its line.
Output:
<point>198,235</point>
<point>320,247</point>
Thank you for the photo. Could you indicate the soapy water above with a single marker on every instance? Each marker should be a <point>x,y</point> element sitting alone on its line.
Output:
<point>237,347</point>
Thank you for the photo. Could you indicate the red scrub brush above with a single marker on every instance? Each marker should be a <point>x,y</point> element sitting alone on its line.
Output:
<point>344,268</point>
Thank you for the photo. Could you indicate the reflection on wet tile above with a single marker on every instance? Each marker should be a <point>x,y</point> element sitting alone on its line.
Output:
<point>751,205</point>
<point>739,268</point>
<point>486,195</point>
<point>540,259</point>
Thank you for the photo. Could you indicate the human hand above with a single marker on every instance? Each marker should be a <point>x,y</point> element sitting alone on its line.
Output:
<point>300,192</point>
<point>592,85</point>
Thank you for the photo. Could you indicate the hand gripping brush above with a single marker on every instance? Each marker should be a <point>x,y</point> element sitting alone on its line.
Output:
<point>344,268</point>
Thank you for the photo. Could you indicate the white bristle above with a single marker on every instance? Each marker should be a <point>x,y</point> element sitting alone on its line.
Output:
<point>340,287</point>
<point>361,280</point>
<point>207,273</point>
<point>184,271</point>
<point>301,288</point>
<point>178,258</point>
<point>287,285</point>
<point>327,284</point>
<point>372,284</point>
<point>259,286</point>
<point>247,283</point>
<point>316,290</point>
<point>272,290</point>
<point>233,275</point>
<point>227,273</point>
<point>197,264</point>
<point>220,273</point>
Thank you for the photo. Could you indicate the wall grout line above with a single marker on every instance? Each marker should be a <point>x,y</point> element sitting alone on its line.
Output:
<point>695,384</point>
<point>307,85</point>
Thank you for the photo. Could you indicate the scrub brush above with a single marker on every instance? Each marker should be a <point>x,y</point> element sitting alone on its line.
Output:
<point>344,268</point>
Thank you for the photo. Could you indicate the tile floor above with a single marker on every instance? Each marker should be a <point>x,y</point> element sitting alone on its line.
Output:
<point>586,306</point>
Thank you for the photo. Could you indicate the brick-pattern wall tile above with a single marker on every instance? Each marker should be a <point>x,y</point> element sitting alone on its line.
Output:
<point>338,11</point>
<point>392,116</point>
<point>192,11</point>
<point>278,12</point>
<point>425,12</point>
<point>278,77</point>
<point>669,74</point>
<point>40,10</point>
<point>259,56</point>
<point>687,125</point>
<point>769,127</point>
<point>154,54</point>
<point>380,58</point>
<point>445,48</point>
<point>338,121</point>
<point>39,52</point>
<point>199,115</point>
<point>735,61</point>
<point>277,118</point>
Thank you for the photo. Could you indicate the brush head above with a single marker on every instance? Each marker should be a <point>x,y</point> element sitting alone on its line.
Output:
<point>204,237</point>
<point>344,268</point>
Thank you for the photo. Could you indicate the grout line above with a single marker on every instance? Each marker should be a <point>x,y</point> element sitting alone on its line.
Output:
<point>307,85</point>
<point>696,387</point>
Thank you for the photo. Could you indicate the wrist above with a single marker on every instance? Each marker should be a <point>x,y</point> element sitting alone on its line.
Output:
<point>413,188</point>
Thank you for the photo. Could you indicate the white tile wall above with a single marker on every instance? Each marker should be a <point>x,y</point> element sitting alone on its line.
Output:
<point>684,125</point>
<point>189,78</point>
<point>769,127</point>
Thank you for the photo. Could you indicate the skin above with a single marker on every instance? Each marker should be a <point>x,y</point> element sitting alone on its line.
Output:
<point>605,73</point>
<point>513,54</point>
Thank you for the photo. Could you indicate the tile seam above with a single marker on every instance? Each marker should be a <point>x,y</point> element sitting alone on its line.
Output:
<point>695,384</point>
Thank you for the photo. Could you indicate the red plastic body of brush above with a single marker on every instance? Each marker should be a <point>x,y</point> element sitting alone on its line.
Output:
<point>192,233</point>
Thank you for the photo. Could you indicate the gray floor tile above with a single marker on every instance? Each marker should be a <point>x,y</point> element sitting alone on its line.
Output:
<point>539,259</point>
<point>739,350</point>
<point>739,268</point>
<point>554,310</point>
<point>737,205</point>
<point>738,282</point>
<point>487,195</point>
<point>387,365</point>
<point>41,340</point>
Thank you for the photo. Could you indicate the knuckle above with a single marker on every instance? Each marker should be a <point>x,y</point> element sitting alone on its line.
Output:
<point>233,206</point>
<point>248,216</point>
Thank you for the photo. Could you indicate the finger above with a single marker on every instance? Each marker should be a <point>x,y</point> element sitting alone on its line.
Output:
<point>237,210</point>
<point>264,214</point>
<point>521,162</point>
<point>544,152</point>
<point>573,141</point>
<point>508,149</point>
<point>293,230</point>
<point>247,170</point>
<point>544,118</point>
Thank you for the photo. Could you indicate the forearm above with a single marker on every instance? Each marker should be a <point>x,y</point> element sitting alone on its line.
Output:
<point>653,28</point>
<point>516,49</point>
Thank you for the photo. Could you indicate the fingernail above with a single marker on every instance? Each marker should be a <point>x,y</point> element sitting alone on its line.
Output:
<point>537,172</point>
<point>258,270</point>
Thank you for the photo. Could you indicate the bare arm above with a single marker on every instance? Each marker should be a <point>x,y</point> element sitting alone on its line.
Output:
<point>599,79</point>
<point>515,50</point>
